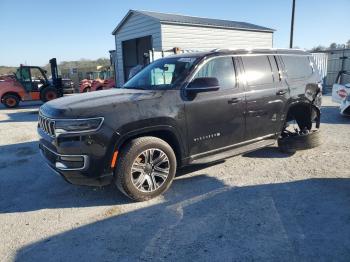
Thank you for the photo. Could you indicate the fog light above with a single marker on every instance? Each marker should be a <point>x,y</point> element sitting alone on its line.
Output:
<point>70,162</point>
<point>71,158</point>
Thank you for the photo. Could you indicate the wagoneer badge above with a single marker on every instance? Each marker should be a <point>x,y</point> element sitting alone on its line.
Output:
<point>196,139</point>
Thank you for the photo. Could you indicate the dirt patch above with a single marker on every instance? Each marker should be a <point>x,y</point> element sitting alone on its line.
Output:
<point>112,211</point>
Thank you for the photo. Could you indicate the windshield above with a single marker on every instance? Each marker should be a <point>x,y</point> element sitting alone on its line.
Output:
<point>164,73</point>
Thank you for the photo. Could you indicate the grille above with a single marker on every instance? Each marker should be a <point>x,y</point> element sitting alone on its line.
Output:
<point>47,125</point>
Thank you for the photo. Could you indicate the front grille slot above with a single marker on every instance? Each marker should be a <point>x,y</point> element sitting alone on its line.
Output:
<point>47,125</point>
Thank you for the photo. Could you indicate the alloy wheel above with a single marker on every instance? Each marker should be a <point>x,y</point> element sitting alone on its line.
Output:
<point>150,170</point>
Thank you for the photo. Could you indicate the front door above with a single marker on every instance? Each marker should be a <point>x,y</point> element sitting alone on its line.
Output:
<point>26,78</point>
<point>216,119</point>
<point>32,79</point>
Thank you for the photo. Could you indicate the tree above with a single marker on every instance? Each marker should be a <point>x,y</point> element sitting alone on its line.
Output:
<point>333,46</point>
<point>318,48</point>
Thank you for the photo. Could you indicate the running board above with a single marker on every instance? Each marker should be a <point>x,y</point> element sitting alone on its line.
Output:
<point>200,159</point>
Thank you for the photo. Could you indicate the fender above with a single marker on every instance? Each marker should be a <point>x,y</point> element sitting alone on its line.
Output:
<point>11,86</point>
<point>119,138</point>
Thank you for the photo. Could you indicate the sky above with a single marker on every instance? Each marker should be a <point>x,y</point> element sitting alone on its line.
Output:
<point>33,31</point>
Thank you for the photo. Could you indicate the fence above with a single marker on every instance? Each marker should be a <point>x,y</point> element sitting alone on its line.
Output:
<point>331,62</point>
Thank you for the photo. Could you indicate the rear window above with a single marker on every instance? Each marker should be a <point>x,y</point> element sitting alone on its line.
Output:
<point>297,66</point>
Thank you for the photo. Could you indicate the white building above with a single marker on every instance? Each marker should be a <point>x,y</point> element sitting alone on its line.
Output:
<point>141,31</point>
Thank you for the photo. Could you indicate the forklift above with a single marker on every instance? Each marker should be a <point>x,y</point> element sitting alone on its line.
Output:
<point>30,83</point>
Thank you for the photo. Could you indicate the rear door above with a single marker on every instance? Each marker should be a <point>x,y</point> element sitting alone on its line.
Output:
<point>282,91</point>
<point>264,104</point>
<point>298,71</point>
<point>216,119</point>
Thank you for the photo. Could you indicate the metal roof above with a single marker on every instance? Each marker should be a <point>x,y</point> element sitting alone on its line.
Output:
<point>195,21</point>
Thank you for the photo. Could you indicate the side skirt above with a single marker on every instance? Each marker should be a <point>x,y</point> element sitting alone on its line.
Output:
<point>230,151</point>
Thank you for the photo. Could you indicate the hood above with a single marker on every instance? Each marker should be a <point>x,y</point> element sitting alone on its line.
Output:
<point>95,103</point>
<point>7,78</point>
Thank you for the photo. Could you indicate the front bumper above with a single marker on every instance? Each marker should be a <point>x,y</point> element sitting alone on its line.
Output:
<point>80,160</point>
<point>65,162</point>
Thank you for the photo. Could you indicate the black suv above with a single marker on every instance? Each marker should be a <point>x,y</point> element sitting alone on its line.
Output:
<point>180,110</point>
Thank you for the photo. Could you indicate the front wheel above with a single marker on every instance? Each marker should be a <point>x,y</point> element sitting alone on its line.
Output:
<point>48,93</point>
<point>146,168</point>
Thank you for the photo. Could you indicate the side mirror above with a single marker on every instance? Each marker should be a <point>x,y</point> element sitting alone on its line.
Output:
<point>203,84</point>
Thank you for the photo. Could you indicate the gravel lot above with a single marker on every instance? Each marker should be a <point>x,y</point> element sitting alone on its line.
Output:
<point>264,205</point>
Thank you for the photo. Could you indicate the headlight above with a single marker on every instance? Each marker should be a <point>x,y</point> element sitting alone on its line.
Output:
<point>72,126</point>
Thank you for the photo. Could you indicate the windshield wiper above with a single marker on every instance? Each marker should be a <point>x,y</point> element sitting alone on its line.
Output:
<point>134,87</point>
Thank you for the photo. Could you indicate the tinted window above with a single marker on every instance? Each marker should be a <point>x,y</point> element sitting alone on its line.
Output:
<point>222,68</point>
<point>257,70</point>
<point>297,66</point>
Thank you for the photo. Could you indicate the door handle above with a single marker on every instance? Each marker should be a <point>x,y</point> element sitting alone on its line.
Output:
<point>234,100</point>
<point>281,92</point>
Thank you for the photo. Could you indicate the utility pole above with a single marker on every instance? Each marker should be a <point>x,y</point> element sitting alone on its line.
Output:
<point>292,26</point>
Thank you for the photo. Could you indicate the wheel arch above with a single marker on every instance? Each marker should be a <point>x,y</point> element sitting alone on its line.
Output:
<point>303,112</point>
<point>11,93</point>
<point>86,89</point>
<point>167,133</point>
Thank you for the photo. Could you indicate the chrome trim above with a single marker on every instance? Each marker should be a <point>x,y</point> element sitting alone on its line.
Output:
<point>45,125</point>
<point>85,160</point>
<point>207,59</point>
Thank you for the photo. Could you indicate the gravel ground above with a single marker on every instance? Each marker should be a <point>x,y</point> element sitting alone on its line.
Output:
<point>263,205</point>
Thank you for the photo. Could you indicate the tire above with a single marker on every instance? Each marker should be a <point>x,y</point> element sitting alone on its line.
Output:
<point>292,143</point>
<point>127,176</point>
<point>10,101</point>
<point>48,93</point>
